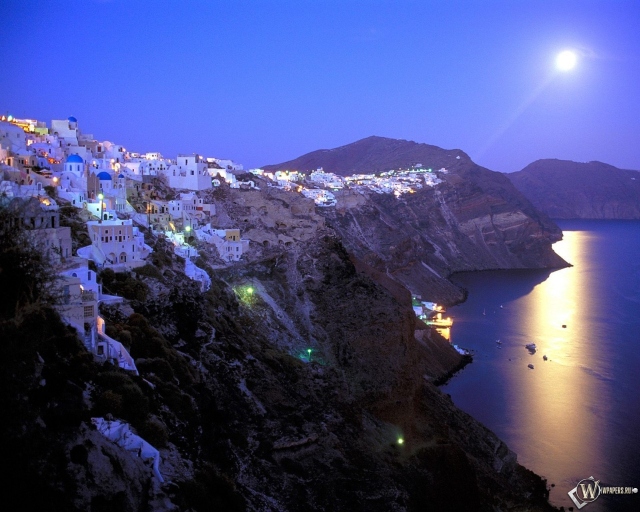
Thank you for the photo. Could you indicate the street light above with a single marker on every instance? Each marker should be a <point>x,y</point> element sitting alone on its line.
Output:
<point>101,197</point>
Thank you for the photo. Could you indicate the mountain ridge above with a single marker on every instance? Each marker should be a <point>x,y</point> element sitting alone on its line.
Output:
<point>565,189</point>
<point>374,154</point>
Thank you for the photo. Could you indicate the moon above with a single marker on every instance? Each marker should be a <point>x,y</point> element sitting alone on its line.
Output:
<point>566,60</point>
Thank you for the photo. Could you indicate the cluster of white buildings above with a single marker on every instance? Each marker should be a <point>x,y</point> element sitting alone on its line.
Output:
<point>320,185</point>
<point>103,178</point>
<point>396,182</point>
<point>40,163</point>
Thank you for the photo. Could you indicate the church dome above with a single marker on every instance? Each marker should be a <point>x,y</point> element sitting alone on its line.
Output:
<point>72,119</point>
<point>104,176</point>
<point>75,159</point>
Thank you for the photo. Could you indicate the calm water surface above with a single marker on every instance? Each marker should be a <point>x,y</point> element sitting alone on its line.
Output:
<point>578,413</point>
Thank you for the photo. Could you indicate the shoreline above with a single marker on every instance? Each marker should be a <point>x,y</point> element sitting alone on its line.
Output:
<point>444,379</point>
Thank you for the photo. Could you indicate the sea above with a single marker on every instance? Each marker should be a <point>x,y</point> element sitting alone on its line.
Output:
<point>575,415</point>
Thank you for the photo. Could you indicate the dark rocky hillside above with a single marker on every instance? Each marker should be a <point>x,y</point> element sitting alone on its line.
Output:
<point>243,417</point>
<point>475,220</point>
<point>301,380</point>
<point>571,190</point>
<point>375,154</point>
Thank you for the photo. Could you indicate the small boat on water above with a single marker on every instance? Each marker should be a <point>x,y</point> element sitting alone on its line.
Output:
<point>531,347</point>
<point>544,357</point>
<point>501,306</point>
<point>530,366</point>
<point>484,311</point>
<point>498,342</point>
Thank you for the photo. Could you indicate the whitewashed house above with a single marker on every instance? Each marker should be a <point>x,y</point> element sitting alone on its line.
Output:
<point>41,221</point>
<point>188,173</point>
<point>115,244</point>
<point>227,241</point>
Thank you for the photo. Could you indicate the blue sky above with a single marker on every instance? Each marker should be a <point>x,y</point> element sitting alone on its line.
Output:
<point>265,81</point>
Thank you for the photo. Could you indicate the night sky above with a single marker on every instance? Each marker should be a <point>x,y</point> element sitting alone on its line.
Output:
<point>265,81</point>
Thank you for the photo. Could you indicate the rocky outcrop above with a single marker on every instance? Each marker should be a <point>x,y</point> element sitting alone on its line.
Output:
<point>301,380</point>
<point>571,190</point>
<point>475,220</point>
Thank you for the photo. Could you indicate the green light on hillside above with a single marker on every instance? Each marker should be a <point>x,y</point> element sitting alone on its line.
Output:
<point>400,440</point>
<point>250,290</point>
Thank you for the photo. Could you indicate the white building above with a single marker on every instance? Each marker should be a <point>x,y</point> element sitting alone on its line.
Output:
<point>80,295</point>
<point>188,173</point>
<point>115,244</point>
<point>320,196</point>
<point>12,137</point>
<point>41,221</point>
<point>227,241</point>
<point>66,130</point>
<point>228,164</point>
<point>327,179</point>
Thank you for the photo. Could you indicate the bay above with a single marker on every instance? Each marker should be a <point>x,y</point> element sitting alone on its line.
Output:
<point>577,414</point>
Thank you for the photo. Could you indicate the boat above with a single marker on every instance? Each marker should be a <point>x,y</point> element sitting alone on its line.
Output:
<point>501,306</point>
<point>484,311</point>
<point>544,357</point>
<point>498,342</point>
<point>530,346</point>
<point>530,366</point>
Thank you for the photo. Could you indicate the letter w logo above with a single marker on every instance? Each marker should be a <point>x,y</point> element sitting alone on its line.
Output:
<point>590,488</point>
<point>590,491</point>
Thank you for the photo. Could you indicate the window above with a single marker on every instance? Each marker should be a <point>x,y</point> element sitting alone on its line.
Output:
<point>88,311</point>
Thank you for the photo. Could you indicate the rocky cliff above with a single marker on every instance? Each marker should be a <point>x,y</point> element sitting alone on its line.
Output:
<point>301,380</point>
<point>475,220</point>
<point>571,190</point>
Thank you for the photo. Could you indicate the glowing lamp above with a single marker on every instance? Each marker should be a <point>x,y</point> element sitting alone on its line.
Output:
<point>187,229</point>
<point>250,290</point>
<point>400,440</point>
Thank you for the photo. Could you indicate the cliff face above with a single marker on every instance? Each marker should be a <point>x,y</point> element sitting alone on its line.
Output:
<point>244,416</point>
<point>571,190</point>
<point>475,220</point>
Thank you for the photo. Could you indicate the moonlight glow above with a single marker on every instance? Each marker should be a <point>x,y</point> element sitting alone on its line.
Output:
<point>566,60</point>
